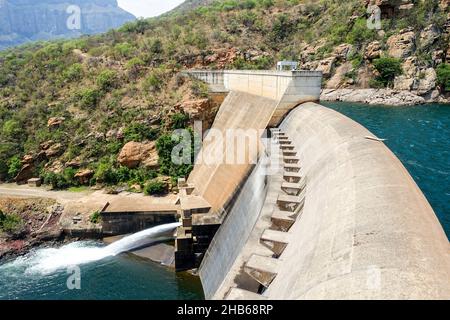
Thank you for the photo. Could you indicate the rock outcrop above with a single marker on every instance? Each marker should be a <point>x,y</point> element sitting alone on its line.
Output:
<point>83,176</point>
<point>402,45</point>
<point>373,96</point>
<point>28,20</point>
<point>134,154</point>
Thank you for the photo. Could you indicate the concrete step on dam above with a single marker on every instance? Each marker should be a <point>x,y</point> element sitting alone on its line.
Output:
<point>338,217</point>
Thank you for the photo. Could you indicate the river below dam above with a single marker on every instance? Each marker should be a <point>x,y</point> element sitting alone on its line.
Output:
<point>418,135</point>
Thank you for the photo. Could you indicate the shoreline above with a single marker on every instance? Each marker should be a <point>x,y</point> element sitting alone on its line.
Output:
<point>389,97</point>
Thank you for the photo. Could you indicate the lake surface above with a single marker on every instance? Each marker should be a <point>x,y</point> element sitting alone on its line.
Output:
<point>420,137</point>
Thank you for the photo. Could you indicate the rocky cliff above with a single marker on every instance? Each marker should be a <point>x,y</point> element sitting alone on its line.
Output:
<point>25,20</point>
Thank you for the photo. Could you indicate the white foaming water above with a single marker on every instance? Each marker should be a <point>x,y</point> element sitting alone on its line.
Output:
<point>46,261</point>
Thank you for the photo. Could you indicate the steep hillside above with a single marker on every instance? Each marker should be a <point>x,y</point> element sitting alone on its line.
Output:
<point>191,4</point>
<point>100,109</point>
<point>26,20</point>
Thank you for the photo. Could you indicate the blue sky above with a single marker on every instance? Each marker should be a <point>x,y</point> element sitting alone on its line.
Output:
<point>148,8</point>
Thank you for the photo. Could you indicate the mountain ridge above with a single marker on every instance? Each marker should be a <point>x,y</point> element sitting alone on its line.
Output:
<point>22,21</point>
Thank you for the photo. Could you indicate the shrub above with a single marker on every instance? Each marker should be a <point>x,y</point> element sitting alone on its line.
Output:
<point>153,82</point>
<point>88,98</point>
<point>388,68</point>
<point>155,187</point>
<point>360,33</point>
<point>95,217</point>
<point>200,89</point>
<point>74,72</point>
<point>281,28</point>
<point>179,121</point>
<point>139,132</point>
<point>105,172</point>
<point>124,50</point>
<point>165,144</point>
<point>11,129</point>
<point>443,76</point>
<point>135,66</point>
<point>55,180</point>
<point>156,47</point>
<point>10,223</point>
<point>14,167</point>
<point>107,80</point>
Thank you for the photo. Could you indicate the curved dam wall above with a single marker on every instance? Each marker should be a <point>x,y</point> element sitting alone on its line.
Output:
<point>256,100</point>
<point>234,232</point>
<point>366,231</point>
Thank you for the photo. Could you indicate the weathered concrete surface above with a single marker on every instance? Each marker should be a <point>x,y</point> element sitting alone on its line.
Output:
<point>233,234</point>
<point>288,88</point>
<point>218,182</point>
<point>367,231</point>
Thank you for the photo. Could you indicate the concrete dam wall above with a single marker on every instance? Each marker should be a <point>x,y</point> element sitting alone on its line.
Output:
<point>360,228</point>
<point>255,100</point>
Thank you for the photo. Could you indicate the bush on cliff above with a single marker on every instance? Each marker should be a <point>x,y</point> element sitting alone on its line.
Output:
<point>443,75</point>
<point>10,223</point>
<point>388,68</point>
<point>155,187</point>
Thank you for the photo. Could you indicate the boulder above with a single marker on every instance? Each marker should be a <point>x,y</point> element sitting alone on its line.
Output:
<point>54,150</point>
<point>429,36</point>
<point>407,79</point>
<point>373,51</point>
<point>339,78</point>
<point>75,163</point>
<point>326,66</point>
<point>194,108</point>
<point>402,45</point>
<point>426,81</point>
<point>134,154</point>
<point>343,51</point>
<point>25,173</point>
<point>55,167</point>
<point>84,176</point>
<point>55,122</point>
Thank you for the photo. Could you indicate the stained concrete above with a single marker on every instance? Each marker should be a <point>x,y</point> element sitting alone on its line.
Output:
<point>365,231</point>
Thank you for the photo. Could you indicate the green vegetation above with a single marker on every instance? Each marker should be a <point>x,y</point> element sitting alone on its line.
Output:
<point>443,75</point>
<point>107,80</point>
<point>388,68</point>
<point>155,187</point>
<point>123,85</point>
<point>95,217</point>
<point>10,223</point>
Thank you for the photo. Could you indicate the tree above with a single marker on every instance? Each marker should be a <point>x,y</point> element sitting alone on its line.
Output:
<point>388,68</point>
<point>14,167</point>
<point>443,76</point>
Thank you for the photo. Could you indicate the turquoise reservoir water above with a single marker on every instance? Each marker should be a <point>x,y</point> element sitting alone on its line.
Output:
<point>420,137</point>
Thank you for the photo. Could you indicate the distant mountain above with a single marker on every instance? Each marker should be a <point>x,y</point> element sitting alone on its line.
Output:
<point>28,20</point>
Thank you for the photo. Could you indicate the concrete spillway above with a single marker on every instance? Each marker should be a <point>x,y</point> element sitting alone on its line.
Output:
<point>365,231</point>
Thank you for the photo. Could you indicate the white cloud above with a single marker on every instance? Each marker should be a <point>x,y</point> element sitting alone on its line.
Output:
<point>148,8</point>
